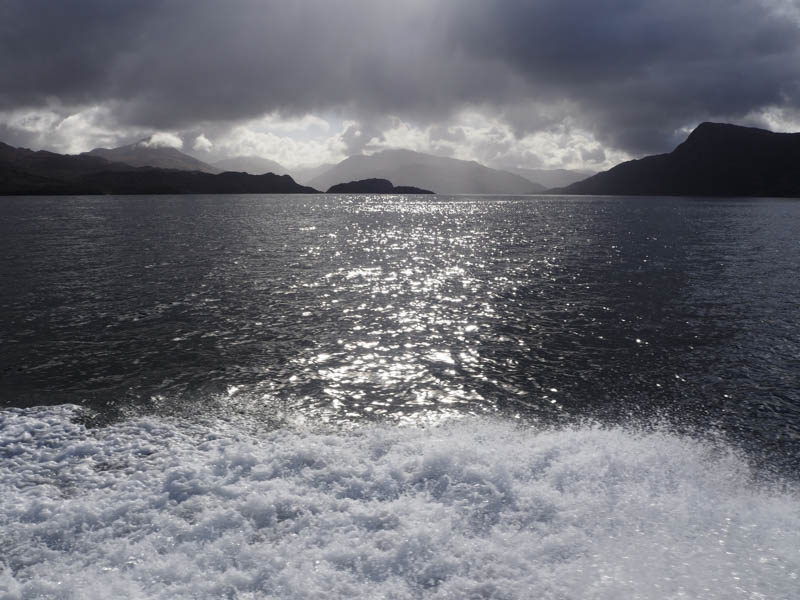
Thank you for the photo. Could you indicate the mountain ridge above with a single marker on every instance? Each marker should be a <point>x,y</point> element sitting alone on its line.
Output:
<point>551,178</point>
<point>253,165</point>
<point>410,168</point>
<point>28,172</point>
<point>716,159</point>
<point>140,154</point>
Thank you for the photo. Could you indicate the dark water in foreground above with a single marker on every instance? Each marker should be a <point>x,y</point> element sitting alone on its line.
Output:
<point>351,308</point>
<point>219,344</point>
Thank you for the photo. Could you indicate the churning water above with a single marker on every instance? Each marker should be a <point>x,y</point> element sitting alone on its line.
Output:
<point>399,397</point>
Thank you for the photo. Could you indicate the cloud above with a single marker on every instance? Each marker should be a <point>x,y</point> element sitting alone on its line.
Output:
<point>64,131</point>
<point>292,125</point>
<point>202,143</point>
<point>638,70</point>
<point>163,140</point>
<point>631,74</point>
<point>357,136</point>
<point>477,135</point>
<point>250,139</point>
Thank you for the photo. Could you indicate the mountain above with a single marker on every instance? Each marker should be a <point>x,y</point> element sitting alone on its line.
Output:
<point>25,172</point>
<point>445,175</point>
<point>551,178</point>
<point>50,165</point>
<point>374,186</point>
<point>165,181</point>
<point>15,182</point>
<point>715,160</point>
<point>255,165</point>
<point>142,154</point>
<point>305,174</point>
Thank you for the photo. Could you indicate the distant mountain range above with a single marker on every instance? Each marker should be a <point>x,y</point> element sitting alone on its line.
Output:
<point>52,166</point>
<point>25,172</point>
<point>551,178</point>
<point>715,160</point>
<point>444,175</point>
<point>404,167</point>
<point>141,154</point>
<point>412,166</point>
<point>255,165</point>
<point>144,154</point>
<point>304,175</point>
<point>165,181</point>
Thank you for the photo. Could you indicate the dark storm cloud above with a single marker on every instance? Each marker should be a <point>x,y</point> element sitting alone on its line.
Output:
<point>170,63</point>
<point>632,70</point>
<point>640,69</point>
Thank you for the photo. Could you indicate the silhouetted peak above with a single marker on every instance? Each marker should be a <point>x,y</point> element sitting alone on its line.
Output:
<point>717,159</point>
<point>721,132</point>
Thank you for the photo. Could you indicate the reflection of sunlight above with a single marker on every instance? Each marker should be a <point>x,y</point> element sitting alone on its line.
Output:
<point>441,356</point>
<point>412,308</point>
<point>366,273</point>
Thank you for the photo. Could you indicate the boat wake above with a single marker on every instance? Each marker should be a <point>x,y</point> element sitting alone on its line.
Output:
<point>477,508</point>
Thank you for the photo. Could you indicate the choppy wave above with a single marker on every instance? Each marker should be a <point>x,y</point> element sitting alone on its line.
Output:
<point>152,508</point>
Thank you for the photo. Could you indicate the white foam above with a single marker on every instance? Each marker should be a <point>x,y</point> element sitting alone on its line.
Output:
<point>477,509</point>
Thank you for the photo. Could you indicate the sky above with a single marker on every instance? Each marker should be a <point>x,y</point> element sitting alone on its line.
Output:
<point>511,83</point>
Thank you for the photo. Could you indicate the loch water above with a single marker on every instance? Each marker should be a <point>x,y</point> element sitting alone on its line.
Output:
<point>399,397</point>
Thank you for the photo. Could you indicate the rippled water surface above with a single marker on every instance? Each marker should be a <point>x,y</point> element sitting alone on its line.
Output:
<point>343,308</point>
<point>256,378</point>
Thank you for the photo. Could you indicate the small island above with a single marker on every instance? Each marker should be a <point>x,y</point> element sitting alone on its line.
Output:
<point>374,186</point>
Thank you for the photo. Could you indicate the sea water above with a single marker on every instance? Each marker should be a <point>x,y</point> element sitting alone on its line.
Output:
<point>399,397</point>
